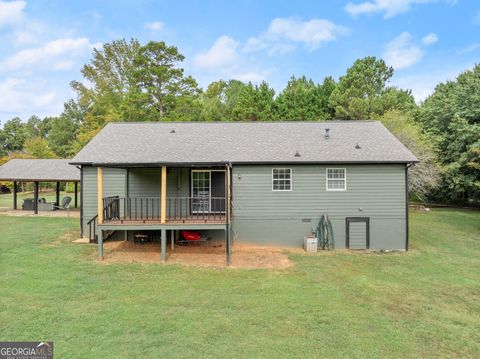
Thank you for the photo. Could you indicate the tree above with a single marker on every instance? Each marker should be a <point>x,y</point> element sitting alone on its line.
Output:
<point>303,100</point>
<point>451,117</point>
<point>14,135</point>
<point>362,93</point>
<point>109,84</point>
<point>161,83</point>
<point>37,127</point>
<point>37,147</point>
<point>220,99</point>
<point>424,176</point>
<point>131,82</point>
<point>63,129</point>
<point>254,103</point>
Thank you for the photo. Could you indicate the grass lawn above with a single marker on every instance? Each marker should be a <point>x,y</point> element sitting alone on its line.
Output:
<point>6,200</point>
<point>425,303</point>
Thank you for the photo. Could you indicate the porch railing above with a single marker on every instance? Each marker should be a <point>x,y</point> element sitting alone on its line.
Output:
<point>178,209</point>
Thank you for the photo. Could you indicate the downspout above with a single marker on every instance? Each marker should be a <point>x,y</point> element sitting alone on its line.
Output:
<point>406,207</point>
<point>81,200</point>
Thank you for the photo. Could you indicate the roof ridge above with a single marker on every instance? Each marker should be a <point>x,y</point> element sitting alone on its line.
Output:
<point>237,122</point>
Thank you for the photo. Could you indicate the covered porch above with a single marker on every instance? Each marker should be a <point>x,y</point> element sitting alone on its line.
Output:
<point>190,198</point>
<point>39,171</point>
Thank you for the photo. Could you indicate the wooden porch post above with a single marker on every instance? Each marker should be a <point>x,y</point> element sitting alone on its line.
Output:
<point>57,198</point>
<point>35,197</point>
<point>15,190</point>
<point>163,199</point>
<point>100,195</point>
<point>163,256</point>
<point>76,194</point>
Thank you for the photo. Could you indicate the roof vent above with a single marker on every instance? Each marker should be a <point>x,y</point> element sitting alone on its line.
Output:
<point>357,146</point>
<point>327,133</point>
<point>297,154</point>
<point>172,131</point>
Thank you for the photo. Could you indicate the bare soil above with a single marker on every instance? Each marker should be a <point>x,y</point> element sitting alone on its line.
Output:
<point>211,255</point>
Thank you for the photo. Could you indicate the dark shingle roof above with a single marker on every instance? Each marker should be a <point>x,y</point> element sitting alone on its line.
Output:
<point>155,143</point>
<point>39,170</point>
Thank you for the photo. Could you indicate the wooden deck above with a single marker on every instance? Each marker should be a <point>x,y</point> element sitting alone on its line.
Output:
<point>190,220</point>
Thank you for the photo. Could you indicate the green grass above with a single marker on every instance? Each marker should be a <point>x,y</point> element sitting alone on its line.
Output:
<point>425,303</point>
<point>6,200</point>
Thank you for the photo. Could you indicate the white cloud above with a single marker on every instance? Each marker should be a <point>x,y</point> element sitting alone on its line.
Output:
<point>476,18</point>
<point>11,12</point>
<point>402,52</point>
<point>430,39</point>
<point>222,53</point>
<point>283,33</point>
<point>423,84</point>
<point>223,61</point>
<point>17,95</point>
<point>471,48</point>
<point>56,54</point>
<point>255,76</point>
<point>154,26</point>
<point>389,8</point>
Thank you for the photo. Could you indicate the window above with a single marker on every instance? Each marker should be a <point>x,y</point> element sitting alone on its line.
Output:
<point>281,179</point>
<point>336,179</point>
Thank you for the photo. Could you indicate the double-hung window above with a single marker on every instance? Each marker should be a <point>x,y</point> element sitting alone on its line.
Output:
<point>281,179</point>
<point>336,179</point>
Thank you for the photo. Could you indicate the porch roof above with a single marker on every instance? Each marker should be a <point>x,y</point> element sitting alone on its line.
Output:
<point>202,143</point>
<point>40,170</point>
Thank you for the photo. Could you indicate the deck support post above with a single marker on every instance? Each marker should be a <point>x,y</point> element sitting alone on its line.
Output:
<point>163,255</point>
<point>57,198</point>
<point>35,197</point>
<point>100,194</point>
<point>15,191</point>
<point>172,239</point>
<point>100,244</point>
<point>228,245</point>
<point>76,194</point>
<point>228,214</point>
<point>163,199</point>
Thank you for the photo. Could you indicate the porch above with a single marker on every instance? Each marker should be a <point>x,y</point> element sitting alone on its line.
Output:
<point>189,199</point>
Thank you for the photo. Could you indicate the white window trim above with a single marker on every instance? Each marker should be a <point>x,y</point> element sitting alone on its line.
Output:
<point>291,179</point>
<point>326,179</point>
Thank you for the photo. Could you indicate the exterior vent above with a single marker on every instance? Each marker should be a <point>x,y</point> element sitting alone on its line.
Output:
<point>357,146</point>
<point>327,133</point>
<point>297,154</point>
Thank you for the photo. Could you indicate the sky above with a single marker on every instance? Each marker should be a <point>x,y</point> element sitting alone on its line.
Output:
<point>45,43</point>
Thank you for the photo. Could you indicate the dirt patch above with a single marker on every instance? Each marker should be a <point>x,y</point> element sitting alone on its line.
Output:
<point>212,255</point>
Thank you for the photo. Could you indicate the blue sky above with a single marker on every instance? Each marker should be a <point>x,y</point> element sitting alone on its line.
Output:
<point>44,43</point>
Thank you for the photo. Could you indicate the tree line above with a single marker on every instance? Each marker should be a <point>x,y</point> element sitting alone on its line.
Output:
<point>128,81</point>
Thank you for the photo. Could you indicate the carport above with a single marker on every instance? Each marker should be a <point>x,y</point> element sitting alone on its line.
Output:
<point>40,170</point>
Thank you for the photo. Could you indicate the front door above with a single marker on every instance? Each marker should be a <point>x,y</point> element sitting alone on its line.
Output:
<point>208,191</point>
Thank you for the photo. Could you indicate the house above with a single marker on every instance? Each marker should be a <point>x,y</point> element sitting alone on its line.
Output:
<point>265,183</point>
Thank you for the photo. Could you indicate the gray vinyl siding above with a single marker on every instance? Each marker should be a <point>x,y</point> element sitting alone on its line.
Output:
<point>89,195</point>
<point>113,185</point>
<point>145,184</point>
<point>263,216</point>
<point>358,235</point>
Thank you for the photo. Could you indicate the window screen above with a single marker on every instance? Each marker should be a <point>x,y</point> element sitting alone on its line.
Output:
<point>336,179</point>
<point>282,179</point>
